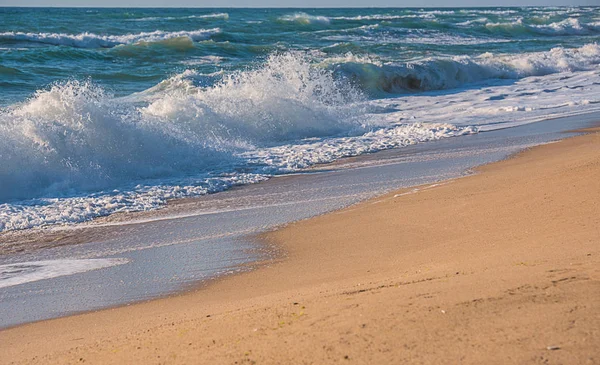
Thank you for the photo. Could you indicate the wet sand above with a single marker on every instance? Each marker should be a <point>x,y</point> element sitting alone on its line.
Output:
<point>498,267</point>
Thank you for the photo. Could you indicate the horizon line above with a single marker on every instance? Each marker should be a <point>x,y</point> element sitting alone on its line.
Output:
<point>297,7</point>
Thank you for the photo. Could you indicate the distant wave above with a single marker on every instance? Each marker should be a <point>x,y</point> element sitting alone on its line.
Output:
<point>438,12</point>
<point>378,34</point>
<point>470,22</point>
<point>566,27</point>
<point>422,15</point>
<point>489,11</point>
<point>569,26</point>
<point>372,17</point>
<point>91,40</point>
<point>306,19</point>
<point>223,16</point>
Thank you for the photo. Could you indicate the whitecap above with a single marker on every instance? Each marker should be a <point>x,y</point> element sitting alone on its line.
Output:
<point>91,40</point>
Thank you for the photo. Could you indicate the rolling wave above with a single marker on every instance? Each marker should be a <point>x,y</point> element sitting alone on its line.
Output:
<point>445,73</point>
<point>569,26</point>
<point>91,40</point>
<point>77,137</point>
<point>373,17</point>
<point>223,16</point>
<point>305,19</point>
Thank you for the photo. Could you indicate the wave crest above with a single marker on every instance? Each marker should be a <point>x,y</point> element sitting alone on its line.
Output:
<point>569,26</point>
<point>445,73</point>
<point>223,16</point>
<point>76,137</point>
<point>91,40</point>
<point>305,19</point>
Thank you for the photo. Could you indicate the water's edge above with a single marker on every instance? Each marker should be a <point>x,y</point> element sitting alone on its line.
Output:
<point>246,250</point>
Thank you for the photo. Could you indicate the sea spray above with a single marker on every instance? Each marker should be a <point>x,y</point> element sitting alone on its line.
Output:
<point>75,137</point>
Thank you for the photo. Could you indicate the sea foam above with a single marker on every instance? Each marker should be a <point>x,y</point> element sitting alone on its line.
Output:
<point>569,26</point>
<point>27,272</point>
<point>304,18</point>
<point>450,72</point>
<point>223,16</point>
<point>75,137</point>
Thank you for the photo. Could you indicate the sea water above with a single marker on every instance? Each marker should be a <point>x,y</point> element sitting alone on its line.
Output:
<point>117,110</point>
<point>120,110</point>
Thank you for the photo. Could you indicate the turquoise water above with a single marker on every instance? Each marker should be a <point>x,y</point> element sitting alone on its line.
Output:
<point>129,50</point>
<point>110,110</point>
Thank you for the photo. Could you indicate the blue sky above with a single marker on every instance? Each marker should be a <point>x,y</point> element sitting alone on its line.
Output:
<point>293,3</point>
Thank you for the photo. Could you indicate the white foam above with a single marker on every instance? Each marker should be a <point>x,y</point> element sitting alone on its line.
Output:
<point>437,12</point>
<point>45,212</point>
<point>297,156</point>
<point>175,139</point>
<point>451,72</point>
<point>488,12</point>
<point>371,17</point>
<point>223,16</point>
<point>27,272</point>
<point>504,105</point>
<point>569,26</point>
<point>468,23</point>
<point>304,18</point>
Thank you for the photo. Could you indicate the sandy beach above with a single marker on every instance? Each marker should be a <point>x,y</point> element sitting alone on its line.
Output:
<point>499,267</point>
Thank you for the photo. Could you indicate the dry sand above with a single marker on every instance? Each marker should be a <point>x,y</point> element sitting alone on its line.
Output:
<point>499,267</point>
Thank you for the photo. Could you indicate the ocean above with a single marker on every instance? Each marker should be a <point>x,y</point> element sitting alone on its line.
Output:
<point>120,110</point>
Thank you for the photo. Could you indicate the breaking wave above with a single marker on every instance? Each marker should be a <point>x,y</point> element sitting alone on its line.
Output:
<point>76,137</point>
<point>306,19</point>
<point>569,26</point>
<point>223,16</point>
<point>373,17</point>
<point>74,151</point>
<point>445,73</point>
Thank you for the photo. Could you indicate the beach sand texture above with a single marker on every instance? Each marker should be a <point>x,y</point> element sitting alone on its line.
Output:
<point>499,267</point>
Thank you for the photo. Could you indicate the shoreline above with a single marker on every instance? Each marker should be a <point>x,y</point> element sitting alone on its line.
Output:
<point>263,297</point>
<point>100,227</point>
